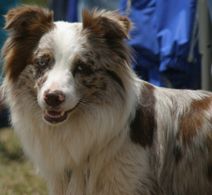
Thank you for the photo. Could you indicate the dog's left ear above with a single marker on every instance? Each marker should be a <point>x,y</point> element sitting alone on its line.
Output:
<point>106,24</point>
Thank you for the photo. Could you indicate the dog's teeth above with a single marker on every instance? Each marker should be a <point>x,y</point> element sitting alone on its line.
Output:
<point>58,115</point>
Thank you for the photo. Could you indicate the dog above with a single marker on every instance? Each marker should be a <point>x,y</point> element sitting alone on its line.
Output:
<point>85,119</point>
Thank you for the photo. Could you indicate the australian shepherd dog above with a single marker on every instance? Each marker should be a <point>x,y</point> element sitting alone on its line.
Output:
<point>89,124</point>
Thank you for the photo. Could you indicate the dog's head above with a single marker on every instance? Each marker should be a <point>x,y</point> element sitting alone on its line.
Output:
<point>67,67</point>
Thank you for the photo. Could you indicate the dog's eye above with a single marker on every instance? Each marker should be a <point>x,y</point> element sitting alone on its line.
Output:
<point>82,68</point>
<point>43,61</point>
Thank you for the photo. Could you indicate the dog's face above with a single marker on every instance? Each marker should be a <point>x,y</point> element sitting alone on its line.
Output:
<point>65,79</point>
<point>72,66</point>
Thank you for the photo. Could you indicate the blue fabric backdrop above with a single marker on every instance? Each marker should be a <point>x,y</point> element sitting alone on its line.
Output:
<point>165,41</point>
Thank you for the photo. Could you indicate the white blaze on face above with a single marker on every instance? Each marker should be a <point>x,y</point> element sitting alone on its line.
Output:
<point>60,80</point>
<point>66,42</point>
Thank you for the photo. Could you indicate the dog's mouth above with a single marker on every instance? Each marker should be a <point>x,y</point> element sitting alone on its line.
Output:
<point>57,116</point>
<point>53,116</point>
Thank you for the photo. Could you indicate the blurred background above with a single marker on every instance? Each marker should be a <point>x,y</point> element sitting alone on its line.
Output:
<point>172,45</point>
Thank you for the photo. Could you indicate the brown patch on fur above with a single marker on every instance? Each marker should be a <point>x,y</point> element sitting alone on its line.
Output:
<point>144,123</point>
<point>106,24</point>
<point>209,172</point>
<point>203,104</point>
<point>193,120</point>
<point>25,25</point>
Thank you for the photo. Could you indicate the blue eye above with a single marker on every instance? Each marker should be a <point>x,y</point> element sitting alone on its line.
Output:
<point>43,61</point>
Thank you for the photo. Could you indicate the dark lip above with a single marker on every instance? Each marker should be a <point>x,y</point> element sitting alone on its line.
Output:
<point>55,116</point>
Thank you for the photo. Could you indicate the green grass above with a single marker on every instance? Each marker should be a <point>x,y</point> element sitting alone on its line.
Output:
<point>17,176</point>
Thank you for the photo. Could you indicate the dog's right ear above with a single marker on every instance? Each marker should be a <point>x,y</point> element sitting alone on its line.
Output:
<point>28,20</point>
<point>25,25</point>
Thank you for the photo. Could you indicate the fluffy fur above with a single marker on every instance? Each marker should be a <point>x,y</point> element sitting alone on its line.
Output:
<point>86,120</point>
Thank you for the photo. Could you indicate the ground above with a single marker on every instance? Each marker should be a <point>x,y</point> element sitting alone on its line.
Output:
<point>17,176</point>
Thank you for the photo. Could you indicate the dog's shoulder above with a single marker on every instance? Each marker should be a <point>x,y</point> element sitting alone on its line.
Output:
<point>183,112</point>
<point>176,125</point>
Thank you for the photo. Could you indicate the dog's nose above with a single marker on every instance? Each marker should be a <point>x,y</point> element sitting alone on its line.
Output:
<point>54,98</point>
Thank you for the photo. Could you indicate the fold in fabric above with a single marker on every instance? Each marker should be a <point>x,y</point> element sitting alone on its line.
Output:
<point>162,39</point>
